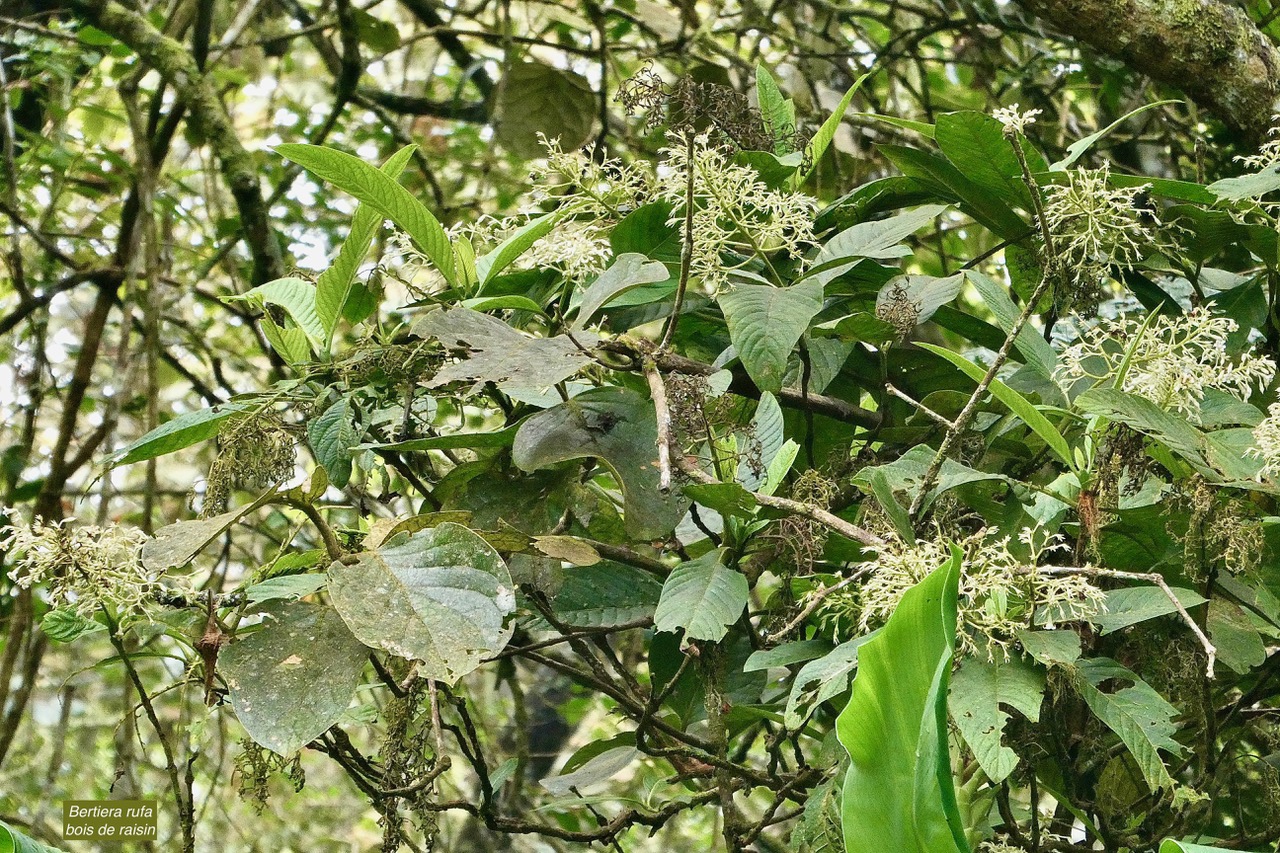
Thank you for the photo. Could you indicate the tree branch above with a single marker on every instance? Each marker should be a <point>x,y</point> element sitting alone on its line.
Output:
<point>1208,49</point>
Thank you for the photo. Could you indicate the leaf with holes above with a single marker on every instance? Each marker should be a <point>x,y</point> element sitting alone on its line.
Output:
<point>292,679</point>
<point>440,596</point>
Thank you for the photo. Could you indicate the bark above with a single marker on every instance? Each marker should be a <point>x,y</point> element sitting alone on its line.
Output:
<point>1210,50</point>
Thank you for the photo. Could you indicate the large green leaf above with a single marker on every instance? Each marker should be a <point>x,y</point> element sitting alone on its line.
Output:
<point>1146,417</point>
<point>617,426</point>
<point>291,679</point>
<point>629,271</point>
<point>778,112</point>
<point>1138,714</point>
<point>297,297</point>
<point>1135,604</point>
<point>975,144</point>
<point>824,135</point>
<point>702,597</point>
<point>1254,185</point>
<point>534,99</point>
<point>1034,350</point>
<point>441,597</point>
<point>604,595</point>
<point>978,689</point>
<point>1017,404</point>
<point>183,431</point>
<point>353,175</point>
<point>335,285</point>
<point>1171,846</point>
<point>880,239</point>
<point>898,793</point>
<point>765,323</point>
<point>12,841</point>
<point>509,250</point>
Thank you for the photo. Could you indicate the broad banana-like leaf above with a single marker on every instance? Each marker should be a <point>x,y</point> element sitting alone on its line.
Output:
<point>899,794</point>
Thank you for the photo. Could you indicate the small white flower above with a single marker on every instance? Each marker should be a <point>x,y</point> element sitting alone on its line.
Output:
<point>1172,363</point>
<point>1266,437</point>
<point>1013,120</point>
<point>577,249</point>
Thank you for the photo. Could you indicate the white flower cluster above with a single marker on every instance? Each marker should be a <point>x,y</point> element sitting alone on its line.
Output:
<point>734,209</point>
<point>583,187</point>
<point>1013,120</point>
<point>1269,154</point>
<point>1170,363</point>
<point>1096,225</point>
<point>1266,439</point>
<point>579,250</point>
<point>83,566</point>
<point>1000,592</point>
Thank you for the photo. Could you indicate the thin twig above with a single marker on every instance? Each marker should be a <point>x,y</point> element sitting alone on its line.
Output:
<point>814,600</point>
<point>971,408</point>
<point>814,513</point>
<point>658,390</point>
<point>1210,651</point>
<point>908,399</point>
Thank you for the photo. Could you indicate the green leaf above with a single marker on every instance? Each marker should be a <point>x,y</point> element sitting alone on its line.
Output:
<point>724,498</point>
<point>1171,846</point>
<point>293,678</point>
<point>702,598</point>
<point>285,586</point>
<point>617,426</point>
<point>818,830</point>
<point>13,841</point>
<point>1051,648</point>
<point>778,113</point>
<point>765,323</point>
<point>353,175</point>
<point>290,341</point>
<point>1132,605</point>
<point>627,272</point>
<point>1138,714</point>
<point>181,542</point>
<point>332,437</point>
<point>1017,403</point>
<point>822,679</point>
<point>978,689</point>
<point>898,793</point>
<point>879,239</point>
<point>975,144</point>
<point>605,595</point>
<point>451,441</point>
<point>440,597</point>
<point>767,435</point>
<point>297,296</point>
<point>489,265</point>
<point>1034,349</point>
<point>382,36</point>
<point>500,354</point>
<point>1078,148</point>
<point>65,625</point>
<point>335,285</point>
<point>823,137</point>
<point>1231,630</point>
<point>905,473</point>
<point>787,654</point>
<point>181,432</point>
<point>1146,417</point>
<point>950,183</point>
<point>594,771</point>
<point>927,293</point>
<point>1255,185</point>
<point>533,99</point>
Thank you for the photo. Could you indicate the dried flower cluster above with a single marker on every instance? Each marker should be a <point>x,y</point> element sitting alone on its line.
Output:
<point>1171,362</point>
<point>254,452</point>
<point>735,212</point>
<point>1000,591</point>
<point>82,566</point>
